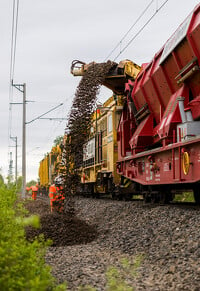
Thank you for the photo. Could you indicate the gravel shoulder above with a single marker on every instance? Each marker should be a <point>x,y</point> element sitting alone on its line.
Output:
<point>101,233</point>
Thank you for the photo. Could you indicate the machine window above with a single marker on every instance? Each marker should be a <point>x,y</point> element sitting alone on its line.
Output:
<point>110,125</point>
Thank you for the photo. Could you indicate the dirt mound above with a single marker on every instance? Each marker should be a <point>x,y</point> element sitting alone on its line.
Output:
<point>62,229</point>
<point>38,206</point>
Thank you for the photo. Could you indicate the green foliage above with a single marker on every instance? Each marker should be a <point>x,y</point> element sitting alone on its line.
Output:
<point>22,264</point>
<point>32,220</point>
<point>1,179</point>
<point>117,279</point>
<point>19,184</point>
<point>184,197</point>
<point>31,183</point>
<point>58,140</point>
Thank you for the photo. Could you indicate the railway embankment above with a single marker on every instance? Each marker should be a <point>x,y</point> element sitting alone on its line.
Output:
<point>101,233</point>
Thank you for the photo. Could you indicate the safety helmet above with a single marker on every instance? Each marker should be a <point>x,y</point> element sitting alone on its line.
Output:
<point>58,180</point>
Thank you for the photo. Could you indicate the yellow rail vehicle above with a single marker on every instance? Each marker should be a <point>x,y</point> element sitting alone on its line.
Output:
<point>49,168</point>
<point>99,174</point>
<point>44,173</point>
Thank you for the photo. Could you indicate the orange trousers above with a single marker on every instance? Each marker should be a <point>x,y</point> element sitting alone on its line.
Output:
<point>34,195</point>
<point>57,204</point>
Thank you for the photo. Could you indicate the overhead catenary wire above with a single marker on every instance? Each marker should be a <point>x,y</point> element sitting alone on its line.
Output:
<point>38,117</point>
<point>51,134</point>
<point>15,11</point>
<point>55,124</point>
<point>141,29</point>
<point>11,68</point>
<point>14,26</point>
<point>12,40</point>
<point>15,40</point>
<point>125,35</point>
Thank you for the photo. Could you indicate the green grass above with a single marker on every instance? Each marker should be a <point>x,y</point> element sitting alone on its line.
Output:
<point>118,278</point>
<point>184,197</point>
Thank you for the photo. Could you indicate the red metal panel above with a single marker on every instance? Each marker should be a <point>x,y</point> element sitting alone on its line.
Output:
<point>171,70</point>
<point>193,34</point>
<point>184,53</point>
<point>193,37</point>
<point>161,84</point>
<point>195,107</point>
<point>159,165</point>
<point>153,99</point>
<point>137,93</point>
<point>164,74</point>
<point>143,134</point>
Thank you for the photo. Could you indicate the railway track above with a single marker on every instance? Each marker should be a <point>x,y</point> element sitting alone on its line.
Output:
<point>183,204</point>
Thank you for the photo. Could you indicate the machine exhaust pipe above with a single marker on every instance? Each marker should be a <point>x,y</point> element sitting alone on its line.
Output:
<point>186,114</point>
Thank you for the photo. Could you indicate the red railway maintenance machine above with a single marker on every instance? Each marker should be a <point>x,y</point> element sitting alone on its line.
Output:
<point>159,129</point>
<point>158,135</point>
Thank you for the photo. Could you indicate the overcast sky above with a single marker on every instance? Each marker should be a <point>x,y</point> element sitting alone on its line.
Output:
<point>53,33</point>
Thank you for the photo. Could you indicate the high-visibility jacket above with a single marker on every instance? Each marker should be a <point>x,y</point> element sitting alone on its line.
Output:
<point>34,188</point>
<point>52,196</point>
<point>34,192</point>
<point>52,191</point>
<point>56,198</point>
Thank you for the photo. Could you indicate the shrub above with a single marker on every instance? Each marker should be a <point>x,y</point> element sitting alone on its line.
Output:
<point>22,264</point>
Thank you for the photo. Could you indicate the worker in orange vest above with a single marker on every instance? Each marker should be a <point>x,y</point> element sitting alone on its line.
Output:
<point>34,192</point>
<point>59,198</point>
<point>52,195</point>
<point>56,196</point>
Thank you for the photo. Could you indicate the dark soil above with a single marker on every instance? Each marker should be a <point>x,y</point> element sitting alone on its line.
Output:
<point>62,229</point>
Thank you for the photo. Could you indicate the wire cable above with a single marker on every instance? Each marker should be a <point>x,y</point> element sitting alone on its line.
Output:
<point>15,43</point>
<point>12,37</point>
<point>141,29</point>
<point>15,10</point>
<point>120,42</point>
<point>11,68</point>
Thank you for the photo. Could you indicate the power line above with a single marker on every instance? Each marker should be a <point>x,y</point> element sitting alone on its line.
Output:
<point>15,9</point>
<point>44,113</point>
<point>15,44</point>
<point>12,37</point>
<point>125,35</point>
<point>11,67</point>
<point>55,125</point>
<point>141,29</point>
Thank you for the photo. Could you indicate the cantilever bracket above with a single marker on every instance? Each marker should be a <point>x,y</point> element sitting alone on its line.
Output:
<point>18,86</point>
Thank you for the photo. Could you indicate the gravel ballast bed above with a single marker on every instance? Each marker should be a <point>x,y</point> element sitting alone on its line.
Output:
<point>103,232</point>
